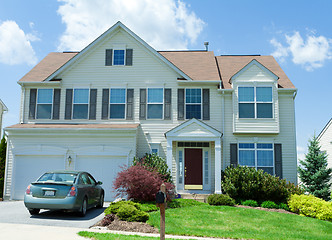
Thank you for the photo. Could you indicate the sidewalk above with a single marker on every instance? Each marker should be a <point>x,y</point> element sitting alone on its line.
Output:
<point>11,231</point>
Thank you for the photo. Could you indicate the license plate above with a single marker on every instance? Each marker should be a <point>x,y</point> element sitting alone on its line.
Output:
<point>49,193</point>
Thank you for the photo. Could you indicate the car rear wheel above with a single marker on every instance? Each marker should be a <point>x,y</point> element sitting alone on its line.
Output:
<point>34,211</point>
<point>101,201</point>
<point>83,208</point>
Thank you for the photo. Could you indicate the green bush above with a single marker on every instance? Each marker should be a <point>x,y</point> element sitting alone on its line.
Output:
<point>148,206</point>
<point>311,206</point>
<point>248,183</point>
<point>269,204</point>
<point>283,206</point>
<point>221,199</point>
<point>127,211</point>
<point>251,203</point>
<point>180,203</point>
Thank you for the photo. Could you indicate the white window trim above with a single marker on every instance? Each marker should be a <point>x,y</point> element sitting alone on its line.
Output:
<point>185,102</point>
<point>124,56</point>
<point>44,103</point>
<point>73,98</point>
<point>125,103</point>
<point>256,150</point>
<point>147,103</point>
<point>255,101</point>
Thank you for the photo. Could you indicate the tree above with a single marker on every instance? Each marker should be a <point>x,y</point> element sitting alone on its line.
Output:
<point>314,173</point>
<point>3,146</point>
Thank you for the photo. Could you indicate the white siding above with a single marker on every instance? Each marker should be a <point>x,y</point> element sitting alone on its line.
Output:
<point>325,140</point>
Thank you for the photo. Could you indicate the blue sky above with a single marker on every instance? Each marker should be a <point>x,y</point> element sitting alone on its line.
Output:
<point>298,33</point>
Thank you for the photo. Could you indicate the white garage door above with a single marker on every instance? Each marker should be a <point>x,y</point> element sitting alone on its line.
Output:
<point>102,168</point>
<point>28,168</point>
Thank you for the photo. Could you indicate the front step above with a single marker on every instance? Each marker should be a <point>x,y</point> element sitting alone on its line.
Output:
<point>194,196</point>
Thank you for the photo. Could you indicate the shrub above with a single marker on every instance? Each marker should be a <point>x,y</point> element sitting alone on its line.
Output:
<point>248,183</point>
<point>283,206</point>
<point>180,203</point>
<point>107,220</point>
<point>137,183</point>
<point>153,162</point>
<point>221,199</point>
<point>251,203</point>
<point>127,211</point>
<point>148,206</point>
<point>269,204</point>
<point>311,206</point>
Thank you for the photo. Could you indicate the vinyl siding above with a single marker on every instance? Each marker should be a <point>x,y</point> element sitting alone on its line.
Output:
<point>325,140</point>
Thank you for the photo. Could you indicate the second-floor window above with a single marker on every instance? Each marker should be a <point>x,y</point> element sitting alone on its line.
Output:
<point>117,103</point>
<point>255,102</point>
<point>81,104</point>
<point>44,103</point>
<point>193,100</point>
<point>155,103</point>
<point>118,57</point>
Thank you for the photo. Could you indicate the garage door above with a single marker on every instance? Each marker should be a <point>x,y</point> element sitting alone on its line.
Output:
<point>28,168</point>
<point>102,168</point>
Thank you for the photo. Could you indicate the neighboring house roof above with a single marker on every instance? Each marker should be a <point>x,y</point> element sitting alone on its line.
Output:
<point>230,65</point>
<point>4,108</point>
<point>199,65</point>
<point>79,126</point>
<point>327,126</point>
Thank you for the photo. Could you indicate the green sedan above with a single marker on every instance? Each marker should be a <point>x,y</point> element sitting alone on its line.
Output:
<point>64,190</point>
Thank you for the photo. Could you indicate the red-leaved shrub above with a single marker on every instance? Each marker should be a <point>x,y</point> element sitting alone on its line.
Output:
<point>140,184</point>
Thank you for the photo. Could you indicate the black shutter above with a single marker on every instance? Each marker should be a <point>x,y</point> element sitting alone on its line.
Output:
<point>142,104</point>
<point>234,154</point>
<point>32,103</point>
<point>167,103</point>
<point>56,103</point>
<point>278,160</point>
<point>93,104</point>
<point>129,57</point>
<point>206,104</point>
<point>130,104</point>
<point>69,103</point>
<point>108,57</point>
<point>105,103</point>
<point>181,104</point>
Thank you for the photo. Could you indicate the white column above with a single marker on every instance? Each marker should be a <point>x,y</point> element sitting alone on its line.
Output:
<point>169,153</point>
<point>217,167</point>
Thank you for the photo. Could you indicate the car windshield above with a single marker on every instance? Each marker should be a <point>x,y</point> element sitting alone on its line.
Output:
<point>58,177</point>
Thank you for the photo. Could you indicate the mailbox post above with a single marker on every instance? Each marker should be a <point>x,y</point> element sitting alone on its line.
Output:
<point>160,202</point>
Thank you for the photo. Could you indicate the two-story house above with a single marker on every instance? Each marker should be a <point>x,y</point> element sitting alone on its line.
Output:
<point>118,98</point>
<point>325,140</point>
<point>3,109</point>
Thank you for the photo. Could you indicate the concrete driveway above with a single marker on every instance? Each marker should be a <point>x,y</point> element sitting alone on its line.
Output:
<point>14,212</point>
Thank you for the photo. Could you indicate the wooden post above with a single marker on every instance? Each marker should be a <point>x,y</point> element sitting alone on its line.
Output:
<point>162,214</point>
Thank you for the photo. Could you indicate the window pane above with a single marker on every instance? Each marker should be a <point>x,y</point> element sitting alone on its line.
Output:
<point>193,96</point>
<point>118,95</point>
<point>264,110</point>
<point>80,111</point>
<point>264,94</point>
<point>264,145</point>
<point>246,94</point>
<point>44,111</point>
<point>267,169</point>
<point>155,111</point>
<point>154,151</point>
<point>193,111</point>
<point>246,110</point>
<point>45,96</point>
<point>155,95</point>
<point>118,58</point>
<point>264,158</point>
<point>247,158</point>
<point>206,167</point>
<point>81,95</point>
<point>246,145</point>
<point>117,111</point>
<point>180,167</point>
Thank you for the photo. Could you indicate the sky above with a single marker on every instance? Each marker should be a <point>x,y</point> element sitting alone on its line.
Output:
<point>297,33</point>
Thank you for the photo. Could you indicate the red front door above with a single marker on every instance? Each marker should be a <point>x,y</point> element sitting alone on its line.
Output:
<point>193,177</point>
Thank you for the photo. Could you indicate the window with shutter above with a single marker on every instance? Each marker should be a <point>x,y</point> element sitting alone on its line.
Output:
<point>118,57</point>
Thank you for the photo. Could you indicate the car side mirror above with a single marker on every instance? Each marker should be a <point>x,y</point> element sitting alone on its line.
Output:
<point>99,183</point>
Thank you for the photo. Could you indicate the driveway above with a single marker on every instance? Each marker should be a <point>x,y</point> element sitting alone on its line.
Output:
<point>15,212</point>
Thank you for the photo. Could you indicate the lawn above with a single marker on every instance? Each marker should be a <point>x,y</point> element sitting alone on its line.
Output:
<point>232,222</point>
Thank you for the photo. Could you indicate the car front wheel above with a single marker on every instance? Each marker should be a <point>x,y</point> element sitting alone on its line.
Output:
<point>83,209</point>
<point>34,211</point>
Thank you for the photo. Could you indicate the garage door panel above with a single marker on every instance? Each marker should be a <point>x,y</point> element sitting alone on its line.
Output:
<point>27,169</point>
<point>104,169</point>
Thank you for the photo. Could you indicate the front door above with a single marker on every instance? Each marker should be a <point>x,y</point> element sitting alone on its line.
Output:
<point>193,172</point>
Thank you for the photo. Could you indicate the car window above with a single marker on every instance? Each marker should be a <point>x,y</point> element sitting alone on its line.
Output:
<point>58,177</point>
<point>92,179</point>
<point>84,179</point>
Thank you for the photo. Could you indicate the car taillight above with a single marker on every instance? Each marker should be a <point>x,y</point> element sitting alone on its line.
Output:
<point>72,192</point>
<point>28,191</point>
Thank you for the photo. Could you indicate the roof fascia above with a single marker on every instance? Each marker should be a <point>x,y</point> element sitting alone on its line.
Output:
<point>102,37</point>
<point>324,129</point>
<point>261,66</point>
<point>48,83</point>
<point>3,106</point>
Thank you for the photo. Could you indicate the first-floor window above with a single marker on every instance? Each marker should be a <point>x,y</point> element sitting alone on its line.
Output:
<point>80,104</point>
<point>117,103</point>
<point>257,155</point>
<point>180,167</point>
<point>44,103</point>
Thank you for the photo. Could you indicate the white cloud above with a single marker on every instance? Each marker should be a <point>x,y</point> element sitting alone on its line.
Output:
<point>310,53</point>
<point>164,24</point>
<point>15,45</point>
